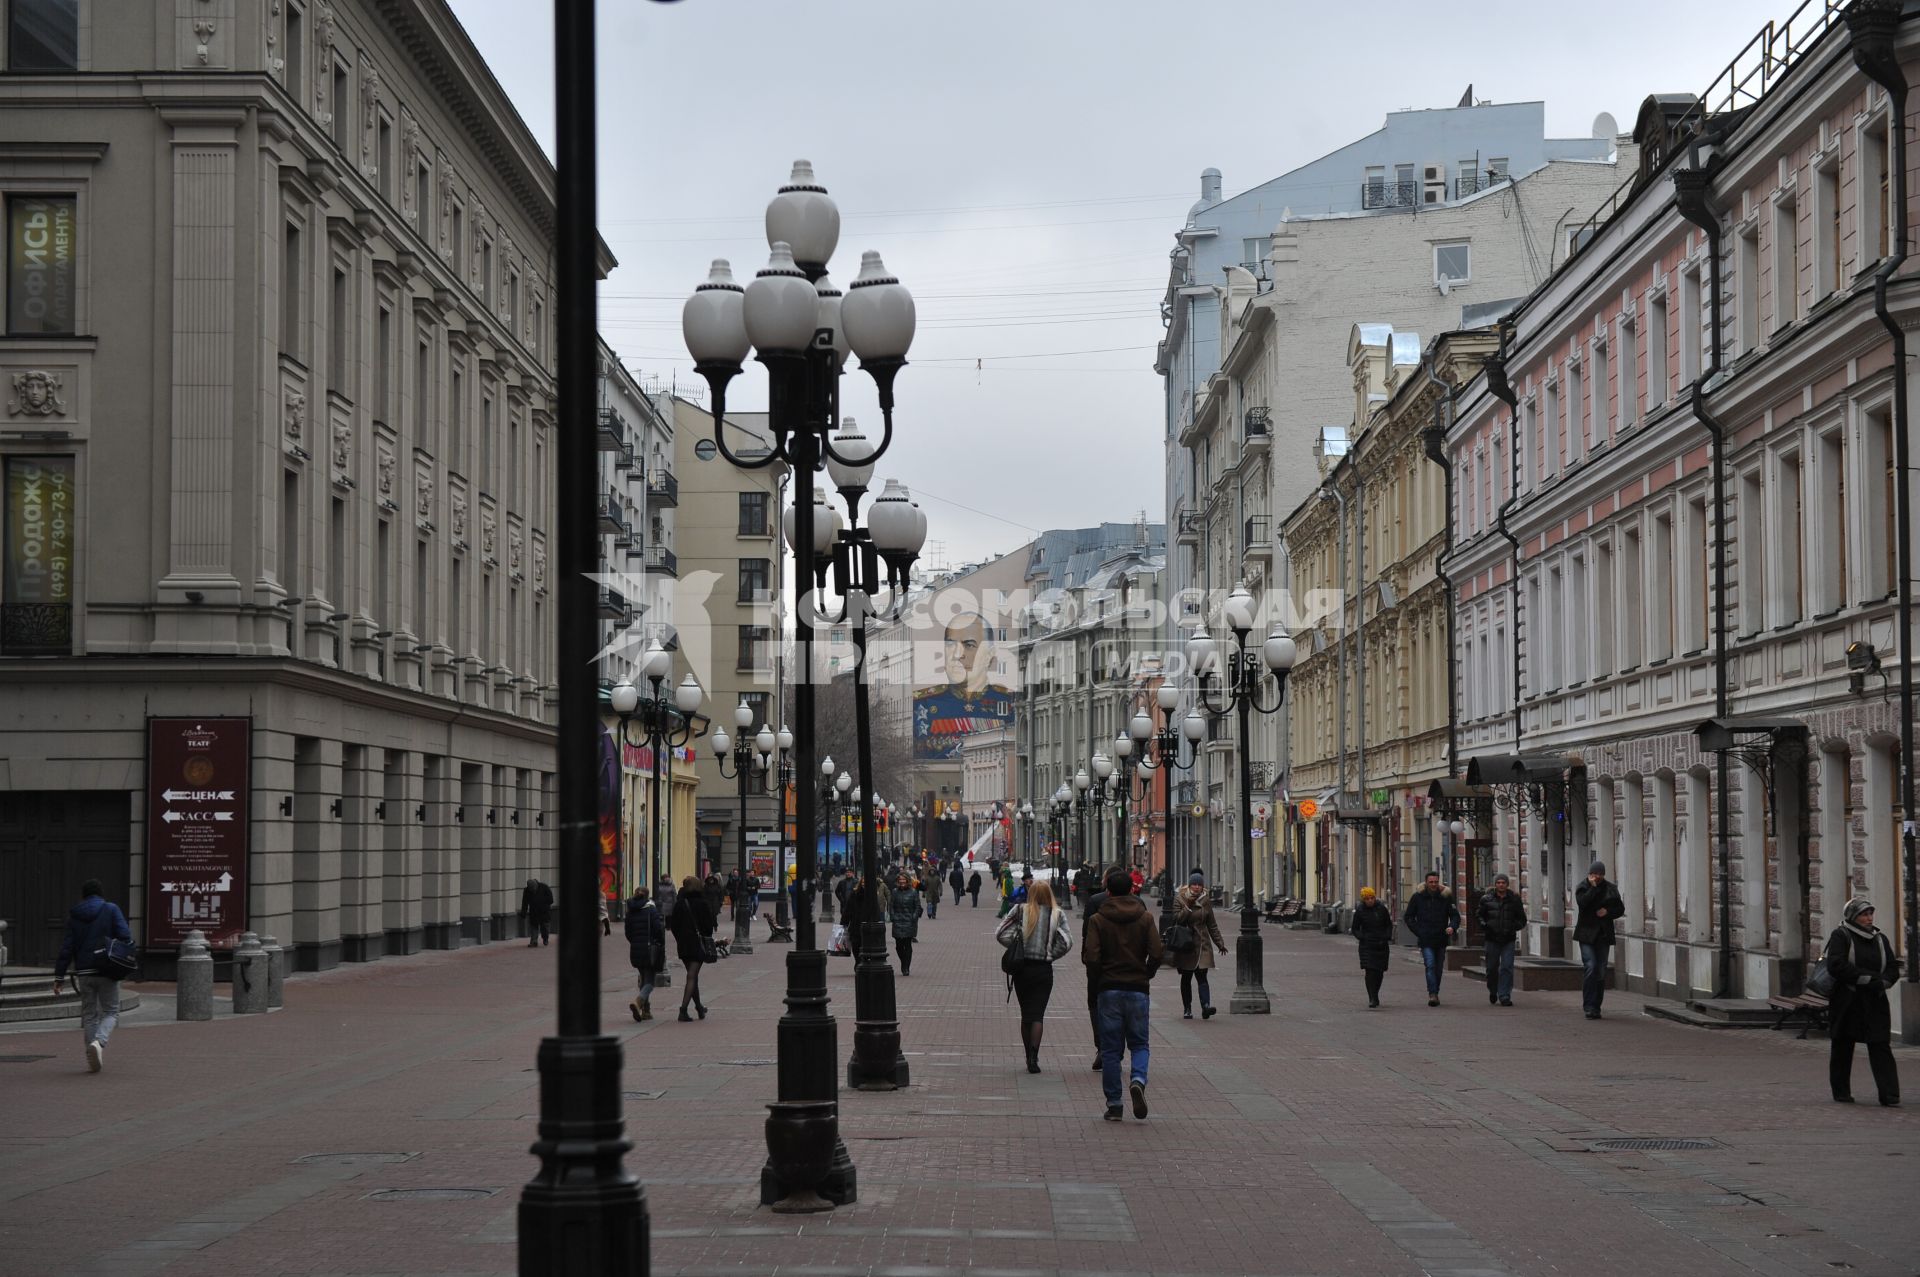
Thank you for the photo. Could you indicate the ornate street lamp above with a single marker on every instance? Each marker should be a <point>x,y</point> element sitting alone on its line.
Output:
<point>742,760</point>
<point>666,723</point>
<point>1232,672</point>
<point>1166,755</point>
<point>1081,784</point>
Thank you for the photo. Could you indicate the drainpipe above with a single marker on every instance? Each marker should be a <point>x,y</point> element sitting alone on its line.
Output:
<point>1693,197</point>
<point>1434,439</point>
<point>1872,25</point>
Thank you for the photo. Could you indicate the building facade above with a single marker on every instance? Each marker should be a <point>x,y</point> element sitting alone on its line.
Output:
<point>279,340</point>
<point>1688,528</point>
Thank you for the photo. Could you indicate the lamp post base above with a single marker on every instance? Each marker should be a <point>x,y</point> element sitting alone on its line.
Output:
<point>806,1159</point>
<point>877,1063</point>
<point>1249,993</point>
<point>582,1213</point>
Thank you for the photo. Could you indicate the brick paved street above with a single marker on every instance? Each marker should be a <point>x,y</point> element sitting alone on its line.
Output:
<point>1325,1139</point>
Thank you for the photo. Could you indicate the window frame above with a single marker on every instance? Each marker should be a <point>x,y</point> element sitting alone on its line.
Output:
<point>81,32</point>
<point>33,187</point>
<point>1453,281</point>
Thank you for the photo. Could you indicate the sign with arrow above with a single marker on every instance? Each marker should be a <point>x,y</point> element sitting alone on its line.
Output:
<point>199,831</point>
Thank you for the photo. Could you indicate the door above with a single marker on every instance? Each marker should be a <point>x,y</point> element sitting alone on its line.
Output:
<point>50,843</point>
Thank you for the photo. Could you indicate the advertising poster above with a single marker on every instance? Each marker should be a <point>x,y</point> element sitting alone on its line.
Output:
<point>40,262</point>
<point>609,803</point>
<point>199,829</point>
<point>37,591</point>
<point>967,691</point>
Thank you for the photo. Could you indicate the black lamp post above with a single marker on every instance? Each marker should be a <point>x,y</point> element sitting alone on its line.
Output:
<point>1060,808</point>
<point>1232,672</point>
<point>781,774</point>
<point>803,330</point>
<point>666,723</point>
<point>1166,754</point>
<point>1081,784</point>
<point>743,755</point>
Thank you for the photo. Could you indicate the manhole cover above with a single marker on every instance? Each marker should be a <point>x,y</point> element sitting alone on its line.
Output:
<point>430,1194</point>
<point>747,1064</point>
<point>643,1095</point>
<point>22,1059</point>
<point>1652,1145</point>
<point>353,1159</point>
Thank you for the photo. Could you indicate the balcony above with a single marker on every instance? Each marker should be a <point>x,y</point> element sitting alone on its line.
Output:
<point>662,560</point>
<point>1258,432</point>
<point>612,434</point>
<point>613,522</point>
<point>663,489</point>
<point>611,605</point>
<point>1473,183</point>
<point>1257,544</point>
<point>1190,525</point>
<point>623,459</point>
<point>1382,194</point>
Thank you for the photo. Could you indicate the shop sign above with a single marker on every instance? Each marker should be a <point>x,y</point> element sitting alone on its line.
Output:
<point>199,829</point>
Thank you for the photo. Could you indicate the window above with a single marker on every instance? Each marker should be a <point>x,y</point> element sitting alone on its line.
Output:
<point>1577,634</point>
<point>1826,257</point>
<point>337,330</point>
<point>342,101</point>
<point>753,515</point>
<point>423,394</point>
<point>43,35</point>
<point>383,156</point>
<point>539,332</point>
<point>1604,604</point>
<point>1253,253</point>
<point>456,409</point>
<point>423,197</point>
<point>513,294</point>
<point>1550,434</point>
<point>1786,262</point>
<point>1576,404</point>
<point>486,272</point>
<point>455,571</point>
<point>1880,572</point>
<point>41,250</point>
<point>1832,577</point>
<point>457,241</point>
<point>337,557</point>
<point>754,575</point>
<point>383,366</point>
<point>1660,604</point>
<point>751,656</point>
<point>1597,415</point>
<point>1452,264</point>
<point>1656,352</point>
<point>36,538</point>
<point>290,269</point>
<point>1753,555</point>
<point>1873,201</point>
<point>296,55</point>
<point>1699,587</point>
<point>1747,282</point>
<point>1497,166</point>
<point>1689,326</point>
<point>383,573</point>
<point>1629,608</point>
<point>1788,512</point>
<point>757,702</point>
<point>290,532</point>
<point>486,442</point>
<point>1629,396</point>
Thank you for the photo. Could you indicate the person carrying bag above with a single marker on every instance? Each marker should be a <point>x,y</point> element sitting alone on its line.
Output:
<point>1035,936</point>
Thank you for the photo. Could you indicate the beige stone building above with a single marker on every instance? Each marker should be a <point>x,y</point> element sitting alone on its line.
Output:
<point>1370,690</point>
<point>279,349</point>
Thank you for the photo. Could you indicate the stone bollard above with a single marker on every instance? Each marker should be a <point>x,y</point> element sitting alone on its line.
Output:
<point>276,971</point>
<point>194,980</point>
<point>250,963</point>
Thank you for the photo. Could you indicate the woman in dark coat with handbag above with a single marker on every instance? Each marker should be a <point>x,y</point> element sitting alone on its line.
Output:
<point>1373,928</point>
<point>646,947</point>
<point>1193,909</point>
<point>1860,960</point>
<point>692,925</point>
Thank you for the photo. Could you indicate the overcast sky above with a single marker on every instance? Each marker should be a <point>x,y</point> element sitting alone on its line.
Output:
<point>1023,166</point>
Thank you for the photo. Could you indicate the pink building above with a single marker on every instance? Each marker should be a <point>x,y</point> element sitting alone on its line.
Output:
<point>1690,528</point>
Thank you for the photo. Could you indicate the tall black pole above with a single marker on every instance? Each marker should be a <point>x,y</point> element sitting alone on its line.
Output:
<point>582,1212</point>
<point>742,915</point>
<point>1249,993</point>
<point>877,1063</point>
<point>657,866</point>
<point>1169,753</point>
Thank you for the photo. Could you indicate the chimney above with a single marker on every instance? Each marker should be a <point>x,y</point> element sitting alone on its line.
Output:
<point>1210,186</point>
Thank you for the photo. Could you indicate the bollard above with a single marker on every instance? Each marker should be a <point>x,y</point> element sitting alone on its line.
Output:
<point>276,971</point>
<point>250,963</point>
<point>194,980</point>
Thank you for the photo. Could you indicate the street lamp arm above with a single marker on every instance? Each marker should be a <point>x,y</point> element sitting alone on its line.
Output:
<point>1279,696</point>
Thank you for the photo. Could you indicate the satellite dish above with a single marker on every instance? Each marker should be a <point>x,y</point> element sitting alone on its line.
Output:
<point>1605,127</point>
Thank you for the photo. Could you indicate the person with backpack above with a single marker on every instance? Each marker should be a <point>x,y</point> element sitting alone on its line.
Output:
<point>646,947</point>
<point>1035,936</point>
<point>1124,946</point>
<point>1861,961</point>
<point>91,925</point>
<point>1502,919</point>
<point>536,906</point>
<point>1192,940</point>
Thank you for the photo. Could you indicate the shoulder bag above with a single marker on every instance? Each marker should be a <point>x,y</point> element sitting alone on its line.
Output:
<point>1181,938</point>
<point>115,959</point>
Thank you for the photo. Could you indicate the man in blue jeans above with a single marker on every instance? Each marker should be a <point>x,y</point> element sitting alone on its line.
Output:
<point>1122,950</point>
<point>1433,920</point>
<point>90,924</point>
<point>1599,905</point>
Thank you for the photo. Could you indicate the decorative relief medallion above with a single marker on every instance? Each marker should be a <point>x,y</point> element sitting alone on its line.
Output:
<point>36,393</point>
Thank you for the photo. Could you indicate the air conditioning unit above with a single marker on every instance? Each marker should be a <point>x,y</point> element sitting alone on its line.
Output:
<point>1433,184</point>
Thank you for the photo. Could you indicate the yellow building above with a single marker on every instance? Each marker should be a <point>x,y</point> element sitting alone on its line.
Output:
<point>1370,690</point>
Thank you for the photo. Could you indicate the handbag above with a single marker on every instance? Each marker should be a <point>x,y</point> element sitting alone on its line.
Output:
<point>1820,981</point>
<point>118,960</point>
<point>709,951</point>
<point>1180,938</point>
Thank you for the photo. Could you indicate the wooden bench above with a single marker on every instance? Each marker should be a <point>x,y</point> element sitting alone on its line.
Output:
<point>1811,1008</point>
<point>777,934</point>
<point>1283,909</point>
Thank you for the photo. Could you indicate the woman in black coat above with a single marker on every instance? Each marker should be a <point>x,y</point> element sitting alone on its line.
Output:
<point>1373,928</point>
<point>1860,959</point>
<point>646,947</point>
<point>692,925</point>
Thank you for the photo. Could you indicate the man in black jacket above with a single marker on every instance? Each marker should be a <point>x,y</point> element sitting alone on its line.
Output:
<point>1433,920</point>
<point>1599,905</point>
<point>536,904</point>
<point>1502,919</point>
<point>1123,945</point>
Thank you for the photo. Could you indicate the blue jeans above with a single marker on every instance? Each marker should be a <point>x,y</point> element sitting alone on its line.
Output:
<point>1121,1017</point>
<point>100,1007</point>
<point>1436,960</point>
<point>933,905</point>
<point>1500,969</point>
<point>1593,986</point>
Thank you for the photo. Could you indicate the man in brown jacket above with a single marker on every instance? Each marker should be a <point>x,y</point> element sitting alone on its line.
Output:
<point>1123,949</point>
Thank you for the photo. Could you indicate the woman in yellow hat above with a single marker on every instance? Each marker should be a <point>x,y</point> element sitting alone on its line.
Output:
<point>1373,928</point>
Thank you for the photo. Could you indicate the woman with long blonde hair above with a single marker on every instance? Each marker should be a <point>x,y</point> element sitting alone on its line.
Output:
<point>1036,935</point>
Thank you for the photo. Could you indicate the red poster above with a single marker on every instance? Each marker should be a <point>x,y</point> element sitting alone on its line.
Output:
<point>198,829</point>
